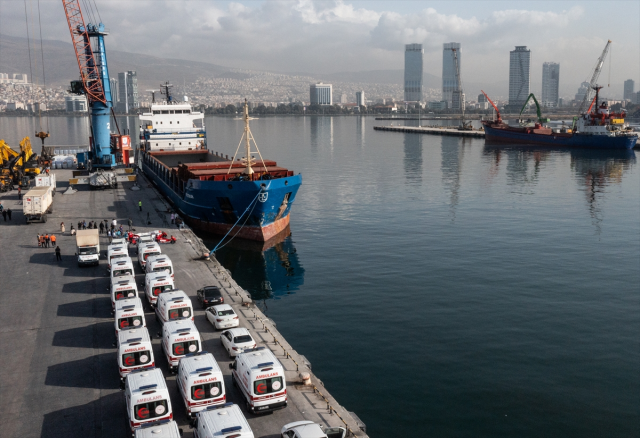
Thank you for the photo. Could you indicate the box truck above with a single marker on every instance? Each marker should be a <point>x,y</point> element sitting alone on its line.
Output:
<point>37,203</point>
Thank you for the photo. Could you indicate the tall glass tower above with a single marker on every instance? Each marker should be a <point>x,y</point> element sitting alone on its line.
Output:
<point>449,82</point>
<point>550,82</point>
<point>519,76</point>
<point>413,72</point>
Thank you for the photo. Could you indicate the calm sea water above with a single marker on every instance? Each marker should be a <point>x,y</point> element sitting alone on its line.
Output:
<point>444,287</point>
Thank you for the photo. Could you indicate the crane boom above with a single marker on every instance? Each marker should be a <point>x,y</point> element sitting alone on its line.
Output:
<point>499,118</point>
<point>89,71</point>
<point>594,77</point>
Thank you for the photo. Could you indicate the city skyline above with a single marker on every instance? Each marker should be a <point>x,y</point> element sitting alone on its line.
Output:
<point>258,35</point>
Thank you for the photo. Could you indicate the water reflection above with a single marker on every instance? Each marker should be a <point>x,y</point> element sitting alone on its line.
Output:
<point>452,153</point>
<point>266,273</point>
<point>321,131</point>
<point>413,158</point>
<point>360,131</point>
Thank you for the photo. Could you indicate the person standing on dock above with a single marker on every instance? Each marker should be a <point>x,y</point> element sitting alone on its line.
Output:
<point>39,240</point>
<point>46,241</point>
<point>58,256</point>
<point>9,213</point>
<point>19,192</point>
<point>53,240</point>
<point>130,224</point>
<point>140,204</point>
<point>101,227</point>
<point>173,218</point>
<point>109,235</point>
<point>62,227</point>
<point>4,215</point>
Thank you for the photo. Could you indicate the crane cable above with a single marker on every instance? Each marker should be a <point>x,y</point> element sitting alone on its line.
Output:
<point>26,19</point>
<point>44,77</point>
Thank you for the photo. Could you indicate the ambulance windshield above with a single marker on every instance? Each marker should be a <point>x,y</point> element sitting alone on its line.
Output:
<point>123,294</point>
<point>267,386</point>
<point>183,312</point>
<point>145,411</point>
<point>131,321</point>
<point>206,391</point>
<point>159,289</point>
<point>182,348</point>
<point>142,357</point>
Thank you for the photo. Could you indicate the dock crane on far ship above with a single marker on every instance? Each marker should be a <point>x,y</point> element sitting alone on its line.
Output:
<point>592,85</point>
<point>107,150</point>
<point>464,125</point>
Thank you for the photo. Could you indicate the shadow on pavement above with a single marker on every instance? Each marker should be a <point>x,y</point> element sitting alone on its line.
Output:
<point>100,335</point>
<point>85,373</point>
<point>45,256</point>
<point>86,287</point>
<point>96,308</point>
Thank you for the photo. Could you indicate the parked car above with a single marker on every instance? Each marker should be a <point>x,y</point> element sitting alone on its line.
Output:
<point>222,316</point>
<point>236,340</point>
<point>304,429</point>
<point>210,296</point>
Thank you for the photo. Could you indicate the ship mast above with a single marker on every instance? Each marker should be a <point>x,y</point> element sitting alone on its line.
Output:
<point>248,161</point>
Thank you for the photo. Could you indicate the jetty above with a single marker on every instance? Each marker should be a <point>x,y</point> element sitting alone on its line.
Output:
<point>432,130</point>
<point>59,370</point>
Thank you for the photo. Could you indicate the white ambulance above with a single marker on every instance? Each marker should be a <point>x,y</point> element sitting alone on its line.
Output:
<point>119,241</point>
<point>134,350</point>
<point>116,252</point>
<point>261,379</point>
<point>222,421</point>
<point>123,288</point>
<point>172,305</point>
<point>159,263</point>
<point>147,398</point>
<point>129,313</point>
<point>122,267</point>
<point>155,283</point>
<point>200,382</point>
<point>179,338</point>
<point>147,250</point>
<point>159,429</point>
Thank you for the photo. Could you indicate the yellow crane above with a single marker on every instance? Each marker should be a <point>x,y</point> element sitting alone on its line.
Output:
<point>16,167</point>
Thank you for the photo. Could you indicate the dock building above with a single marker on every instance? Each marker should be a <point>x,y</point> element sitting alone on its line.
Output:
<point>413,66</point>
<point>550,84</point>
<point>519,77</point>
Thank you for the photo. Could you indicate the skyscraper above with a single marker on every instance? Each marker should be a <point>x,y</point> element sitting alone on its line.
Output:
<point>550,82</point>
<point>360,98</point>
<point>519,76</point>
<point>413,72</point>
<point>629,90</point>
<point>321,94</point>
<point>449,81</point>
<point>127,91</point>
<point>114,92</point>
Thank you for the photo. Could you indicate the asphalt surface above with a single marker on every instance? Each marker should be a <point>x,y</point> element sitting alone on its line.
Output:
<point>58,370</point>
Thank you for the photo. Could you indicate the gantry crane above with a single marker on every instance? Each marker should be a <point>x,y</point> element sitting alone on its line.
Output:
<point>464,125</point>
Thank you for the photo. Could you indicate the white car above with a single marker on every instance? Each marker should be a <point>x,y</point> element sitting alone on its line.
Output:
<point>309,429</point>
<point>236,340</point>
<point>222,316</point>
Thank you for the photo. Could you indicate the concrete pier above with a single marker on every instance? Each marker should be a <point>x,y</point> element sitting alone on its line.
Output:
<point>431,130</point>
<point>58,369</point>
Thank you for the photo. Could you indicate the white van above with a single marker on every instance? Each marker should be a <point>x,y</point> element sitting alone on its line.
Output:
<point>134,350</point>
<point>122,267</point>
<point>200,382</point>
<point>147,250</point>
<point>155,283</point>
<point>179,338</point>
<point>129,313</point>
<point>159,429</point>
<point>116,252</point>
<point>147,398</point>
<point>172,305</point>
<point>159,263</point>
<point>261,378</point>
<point>123,288</point>
<point>222,421</point>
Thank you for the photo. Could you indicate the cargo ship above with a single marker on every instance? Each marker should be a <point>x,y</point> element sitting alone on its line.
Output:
<point>245,198</point>
<point>598,128</point>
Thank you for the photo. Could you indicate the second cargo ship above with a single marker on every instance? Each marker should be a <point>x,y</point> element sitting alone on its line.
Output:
<point>246,198</point>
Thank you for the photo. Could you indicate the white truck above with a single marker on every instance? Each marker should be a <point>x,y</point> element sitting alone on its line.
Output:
<point>37,203</point>
<point>88,247</point>
<point>47,181</point>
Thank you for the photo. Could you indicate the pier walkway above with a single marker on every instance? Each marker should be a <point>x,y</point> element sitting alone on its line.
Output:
<point>431,130</point>
<point>58,370</point>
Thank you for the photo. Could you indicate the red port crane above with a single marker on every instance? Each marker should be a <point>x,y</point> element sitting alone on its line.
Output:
<point>499,120</point>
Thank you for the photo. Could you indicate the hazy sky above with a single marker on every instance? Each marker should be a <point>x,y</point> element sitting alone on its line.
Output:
<point>341,35</point>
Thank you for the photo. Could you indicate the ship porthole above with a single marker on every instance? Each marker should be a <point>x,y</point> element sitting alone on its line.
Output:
<point>286,183</point>
<point>263,185</point>
<point>230,186</point>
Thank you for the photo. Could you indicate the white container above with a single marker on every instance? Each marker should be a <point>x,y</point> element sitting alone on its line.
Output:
<point>36,203</point>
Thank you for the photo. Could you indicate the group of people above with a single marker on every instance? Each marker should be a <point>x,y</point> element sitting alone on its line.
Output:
<point>6,212</point>
<point>46,240</point>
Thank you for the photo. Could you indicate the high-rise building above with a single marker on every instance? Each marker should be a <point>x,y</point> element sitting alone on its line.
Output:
<point>629,90</point>
<point>321,94</point>
<point>114,91</point>
<point>343,98</point>
<point>482,102</point>
<point>127,91</point>
<point>550,84</point>
<point>360,98</point>
<point>449,80</point>
<point>582,91</point>
<point>76,103</point>
<point>519,76</point>
<point>413,72</point>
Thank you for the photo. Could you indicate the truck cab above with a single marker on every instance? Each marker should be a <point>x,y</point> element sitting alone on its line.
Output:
<point>88,247</point>
<point>179,338</point>
<point>173,305</point>
<point>123,288</point>
<point>122,267</point>
<point>159,263</point>
<point>200,382</point>
<point>116,252</point>
<point>147,398</point>
<point>145,251</point>
<point>261,379</point>
<point>129,313</point>
<point>134,350</point>
<point>222,421</point>
<point>155,283</point>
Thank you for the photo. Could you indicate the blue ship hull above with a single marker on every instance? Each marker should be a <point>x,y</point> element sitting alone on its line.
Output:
<point>261,209</point>
<point>559,140</point>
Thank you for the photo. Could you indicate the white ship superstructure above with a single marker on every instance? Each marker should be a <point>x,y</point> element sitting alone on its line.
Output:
<point>172,126</point>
